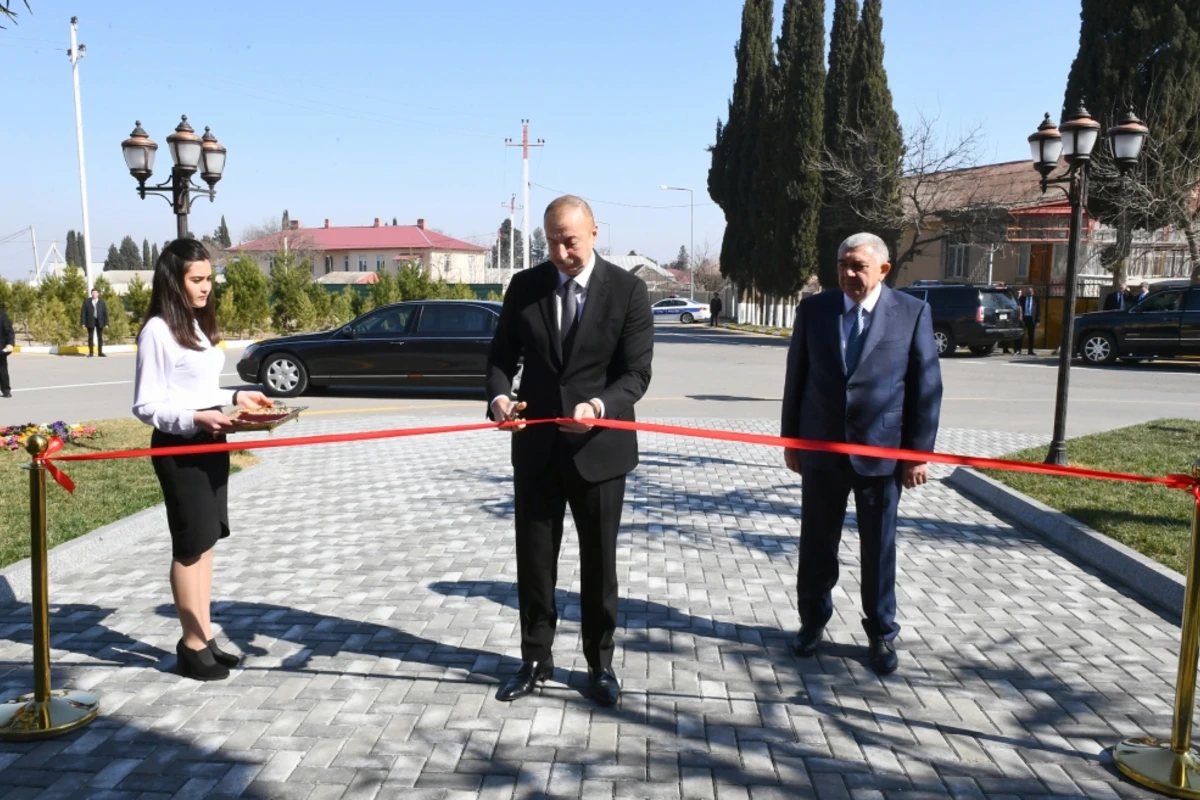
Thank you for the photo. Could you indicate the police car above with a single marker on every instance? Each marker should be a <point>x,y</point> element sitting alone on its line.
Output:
<point>677,309</point>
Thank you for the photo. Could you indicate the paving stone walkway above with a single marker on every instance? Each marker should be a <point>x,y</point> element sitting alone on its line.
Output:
<point>372,587</point>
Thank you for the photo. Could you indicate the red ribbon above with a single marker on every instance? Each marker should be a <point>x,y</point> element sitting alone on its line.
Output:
<point>1172,481</point>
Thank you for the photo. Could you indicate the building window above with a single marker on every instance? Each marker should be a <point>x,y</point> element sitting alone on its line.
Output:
<point>1058,266</point>
<point>362,263</point>
<point>957,260</point>
<point>1023,261</point>
<point>328,264</point>
<point>379,262</point>
<point>346,263</point>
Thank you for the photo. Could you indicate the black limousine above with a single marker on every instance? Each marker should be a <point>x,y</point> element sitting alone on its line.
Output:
<point>427,343</point>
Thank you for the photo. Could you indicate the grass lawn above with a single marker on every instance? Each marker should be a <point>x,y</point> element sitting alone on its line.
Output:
<point>105,491</point>
<point>1153,520</point>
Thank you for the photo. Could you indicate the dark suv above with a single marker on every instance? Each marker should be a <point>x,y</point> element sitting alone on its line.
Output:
<point>1164,325</point>
<point>972,316</point>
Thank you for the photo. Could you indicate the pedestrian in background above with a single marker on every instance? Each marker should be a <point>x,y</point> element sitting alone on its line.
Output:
<point>94,317</point>
<point>7,342</point>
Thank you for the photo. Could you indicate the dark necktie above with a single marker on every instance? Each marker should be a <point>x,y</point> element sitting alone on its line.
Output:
<point>854,342</point>
<point>570,305</point>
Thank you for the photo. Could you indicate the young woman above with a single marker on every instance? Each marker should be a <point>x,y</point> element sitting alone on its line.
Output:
<point>178,391</point>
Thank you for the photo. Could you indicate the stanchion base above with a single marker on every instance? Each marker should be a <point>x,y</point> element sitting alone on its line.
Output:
<point>66,710</point>
<point>1152,763</point>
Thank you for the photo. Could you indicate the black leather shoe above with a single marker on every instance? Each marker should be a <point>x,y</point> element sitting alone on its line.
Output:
<point>883,657</point>
<point>530,675</point>
<point>221,657</point>
<point>199,664</point>
<point>806,642</point>
<point>605,688</point>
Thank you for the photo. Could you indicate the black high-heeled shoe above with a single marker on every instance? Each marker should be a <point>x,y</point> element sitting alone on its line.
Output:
<point>200,664</point>
<point>226,659</point>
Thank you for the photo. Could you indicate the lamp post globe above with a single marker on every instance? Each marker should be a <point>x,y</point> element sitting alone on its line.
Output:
<point>185,147</point>
<point>212,158</point>
<point>1079,134</point>
<point>139,151</point>
<point>1046,146</point>
<point>1127,138</point>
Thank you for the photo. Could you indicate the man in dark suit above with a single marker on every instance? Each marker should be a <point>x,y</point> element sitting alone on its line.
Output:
<point>94,317</point>
<point>7,342</point>
<point>1030,311</point>
<point>862,368</point>
<point>1117,300</point>
<point>586,332</point>
<point>1143,293</point>
<point>715,306</point>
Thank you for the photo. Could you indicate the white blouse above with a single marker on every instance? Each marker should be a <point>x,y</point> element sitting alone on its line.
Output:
<point>174,382</point>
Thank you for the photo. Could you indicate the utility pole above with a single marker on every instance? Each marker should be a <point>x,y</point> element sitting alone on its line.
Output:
<point>525,145</point>
<point>77,52</point>
<point>33,236</point>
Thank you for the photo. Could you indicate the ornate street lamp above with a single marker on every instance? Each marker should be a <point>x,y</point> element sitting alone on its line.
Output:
<point>189,153</point>
<point>1074,141</point>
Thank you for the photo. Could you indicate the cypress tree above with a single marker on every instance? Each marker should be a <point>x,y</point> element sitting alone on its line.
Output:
<point>113,261</point>
<point>287,223</point>
<point>801,112</point>
<point>871,114</point>
<point>131,256</point>
<point>836,211</point>
<point>70,254</point>
<point>146,262</point>
<point>153,255</point>
<point>81,251</point>
<point>1142,55</point>
<point>735,162</point>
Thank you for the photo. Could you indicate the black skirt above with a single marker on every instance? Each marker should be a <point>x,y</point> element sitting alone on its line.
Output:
<point>196,492</point>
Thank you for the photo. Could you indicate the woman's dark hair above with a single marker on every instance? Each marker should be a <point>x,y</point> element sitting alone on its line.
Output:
<point>169,300</point>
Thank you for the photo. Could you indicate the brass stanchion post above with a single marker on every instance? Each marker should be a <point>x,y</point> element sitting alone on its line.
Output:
<point>45,712</point>
<point>1173,767</point>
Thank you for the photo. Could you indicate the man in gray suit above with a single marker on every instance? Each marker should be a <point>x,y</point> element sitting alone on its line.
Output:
<point>862,368</point>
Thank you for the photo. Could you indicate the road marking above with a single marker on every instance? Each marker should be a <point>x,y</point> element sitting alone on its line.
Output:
<point>87,385</point>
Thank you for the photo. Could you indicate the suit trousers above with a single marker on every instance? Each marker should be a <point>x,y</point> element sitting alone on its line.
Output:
<point>1030,329</point>
<point>99,334</point>
<point>824,496</point>
<point>5,386</point>
<point>540,503</point>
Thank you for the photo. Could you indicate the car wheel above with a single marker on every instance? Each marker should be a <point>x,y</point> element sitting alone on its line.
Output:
<point>686,318</point>
<point>983,349</point>
<point>944,340</point>
<point>284,375</point>
<point>1098,348</point>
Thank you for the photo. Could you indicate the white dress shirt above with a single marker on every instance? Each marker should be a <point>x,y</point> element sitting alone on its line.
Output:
<point>581,293</point>
<point>173,382</point>
<point>848,315</point>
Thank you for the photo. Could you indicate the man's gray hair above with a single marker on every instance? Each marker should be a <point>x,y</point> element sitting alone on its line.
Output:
<point>879,248</point>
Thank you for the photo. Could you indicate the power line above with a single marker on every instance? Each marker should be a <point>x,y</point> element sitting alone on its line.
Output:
<point>614,202</point>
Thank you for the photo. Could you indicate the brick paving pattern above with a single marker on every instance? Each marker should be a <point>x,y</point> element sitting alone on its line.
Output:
<point>372,587</point>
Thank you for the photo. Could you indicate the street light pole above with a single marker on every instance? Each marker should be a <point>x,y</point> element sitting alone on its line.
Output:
<point>1074,143</point>
<point>1077,195</point>
<point>691,236</point>
<point>189,153</point>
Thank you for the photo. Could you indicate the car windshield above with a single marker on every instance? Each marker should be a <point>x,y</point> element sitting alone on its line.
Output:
<point>997,300</point>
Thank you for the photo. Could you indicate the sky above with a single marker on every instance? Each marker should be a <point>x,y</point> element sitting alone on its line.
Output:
<point>357,110</point>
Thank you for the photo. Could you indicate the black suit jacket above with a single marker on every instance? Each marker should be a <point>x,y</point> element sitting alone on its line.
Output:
<point>93,317</point>
<point>609,359</point>
<point>7,336</point>
<point>1037,310</point>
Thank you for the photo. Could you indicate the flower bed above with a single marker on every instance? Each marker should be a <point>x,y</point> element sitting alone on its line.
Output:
<point>14,436</point>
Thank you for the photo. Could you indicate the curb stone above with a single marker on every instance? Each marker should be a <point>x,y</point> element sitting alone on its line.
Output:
<point>1147,577</point>
<point>95,546</point>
